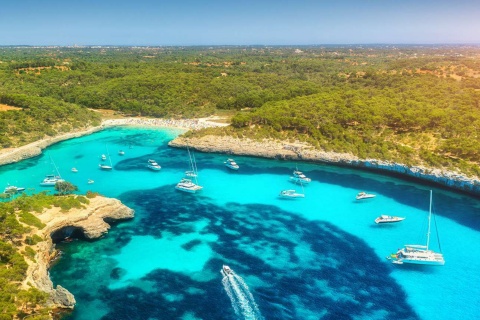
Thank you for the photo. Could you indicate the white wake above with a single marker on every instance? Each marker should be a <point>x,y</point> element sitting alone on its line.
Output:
<point>241,297</point>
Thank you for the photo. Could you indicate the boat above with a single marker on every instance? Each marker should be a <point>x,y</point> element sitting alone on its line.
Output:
<point>299,177</point>
<point>51,179</point>
<point>186,184</point>
<point>419,254</point>
<point>152,164</point>
<point>388,219</point>
<point>74,170</point>
<point>290,194</point>
<point>363,195</point>
<point>103,157</point>
<point>226,271</point>
<point>121,152</point>
<point>231,164</point>
<point>90,181</point>
<point>104,166</point>
<point>13,189</point>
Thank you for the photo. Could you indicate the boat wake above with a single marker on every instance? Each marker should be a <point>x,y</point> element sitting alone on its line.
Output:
<point>240,296</point>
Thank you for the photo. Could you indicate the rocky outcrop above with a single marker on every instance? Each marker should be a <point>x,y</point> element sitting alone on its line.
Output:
<point>303,152</point>
<point>91,220</point>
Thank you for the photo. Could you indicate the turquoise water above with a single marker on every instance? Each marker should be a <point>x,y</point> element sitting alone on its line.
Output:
<point>317,257</point>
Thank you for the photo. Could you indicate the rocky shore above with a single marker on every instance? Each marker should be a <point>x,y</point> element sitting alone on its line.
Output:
<point>90,220</point>
<point>304,152</point>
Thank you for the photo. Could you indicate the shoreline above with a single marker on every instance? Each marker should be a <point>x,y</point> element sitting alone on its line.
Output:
<point>13,155</point>
<point>303,152</point>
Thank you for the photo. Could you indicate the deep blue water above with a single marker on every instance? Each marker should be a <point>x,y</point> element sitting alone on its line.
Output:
<point>317,257</point>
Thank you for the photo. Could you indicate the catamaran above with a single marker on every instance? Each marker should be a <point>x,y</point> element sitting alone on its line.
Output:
<point>51,179</point>
<point>104,166</point>
<point>419,254</point>
<point>186,184</point>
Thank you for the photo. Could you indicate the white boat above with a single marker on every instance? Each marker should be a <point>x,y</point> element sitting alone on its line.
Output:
<point>363,195</point>
<point>231,164</point>
<point>186,184</point>
<point>74,170</point>
<point>226,271</point>
<point>299,177</point>
<point>419,254</point>
<point>103,157</point>
<point>291,194</point>
<point>90,181</point>
<point>104,166</point>
<point>153,165</point>
<point>51,179</point>
<point>121,152</point>
<point>13,189</point>
<point>388,219</point>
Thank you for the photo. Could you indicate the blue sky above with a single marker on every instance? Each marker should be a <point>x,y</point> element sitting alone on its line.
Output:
<point>239,22</point>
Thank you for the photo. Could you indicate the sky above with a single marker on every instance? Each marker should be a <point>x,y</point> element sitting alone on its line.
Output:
<point>238,22</point>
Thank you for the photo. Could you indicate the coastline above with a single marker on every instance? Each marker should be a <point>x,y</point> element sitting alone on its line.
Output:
<point>90,220</point>
<point>303,152</point>
<point>34,149</point>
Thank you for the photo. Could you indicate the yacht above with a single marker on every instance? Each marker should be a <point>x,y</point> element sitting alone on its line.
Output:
<point>363,195</point>
<point>419,254</point>
<point>121,152</point>
<point>50,180</point>
<point>231,164</point>
<point>90,181</point>
<point>104,166</point>
<point>103,157</point>
<point>152,164</point>
<point>299,177</point>
<point>290,194</point>
<point>388,219</point>
<point>187,185</point>
<point>13,189</point>
<point>226,270</point>
<point>74,170</point>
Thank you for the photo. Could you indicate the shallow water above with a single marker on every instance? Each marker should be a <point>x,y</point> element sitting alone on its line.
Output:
<point>317,257</point>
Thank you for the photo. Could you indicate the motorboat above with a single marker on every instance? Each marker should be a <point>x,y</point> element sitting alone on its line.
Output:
<point>226,271</point>
<point>13,189</point>
<point>74,170</point>
<point>90,181</point>
<point>187,185</point>
<point>103,157</point>
<point>363,195</point>
<point>299,177</point>
<point>231,164</point>
<point>153,165</point>
<point>290,194</point>
<point>121,152</point>
<point>419,253</point>
<point>50,180</point>
<point>388,219</point>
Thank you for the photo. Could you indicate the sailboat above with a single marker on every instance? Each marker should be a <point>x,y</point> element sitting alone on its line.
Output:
<point>104,166</point>
<point>51,179</point>
<point>419,254</point>
<point>186,184</point>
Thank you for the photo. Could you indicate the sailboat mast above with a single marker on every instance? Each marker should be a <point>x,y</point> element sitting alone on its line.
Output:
<point>429,219</point>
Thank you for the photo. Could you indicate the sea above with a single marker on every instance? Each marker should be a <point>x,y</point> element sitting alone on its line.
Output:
<point>318,257</point>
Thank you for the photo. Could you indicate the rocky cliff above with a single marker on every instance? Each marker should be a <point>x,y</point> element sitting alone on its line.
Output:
<point>91,220</point>
<point>303,152</point>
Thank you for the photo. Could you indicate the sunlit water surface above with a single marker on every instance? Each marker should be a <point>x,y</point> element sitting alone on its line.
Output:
<point>318,257</point>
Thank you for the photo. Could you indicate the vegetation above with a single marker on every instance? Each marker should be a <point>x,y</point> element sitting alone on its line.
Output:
<point>17,220</point>
<point>415,105</point>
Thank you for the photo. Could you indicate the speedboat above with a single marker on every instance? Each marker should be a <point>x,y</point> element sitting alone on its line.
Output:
<point>74,170</point>
<point>388,219</point>
<point>299,177</point>
<point>226,270</point>
<point>121,152</point>
<point>290,194</point>
<point>90,181</point>
<point>13,189</point>
<point>50,180</point>
<point>363,195</point>
<point>231,164</point>
<point>187,185</point>
<point>152,164</point>
<point>103,157</point>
